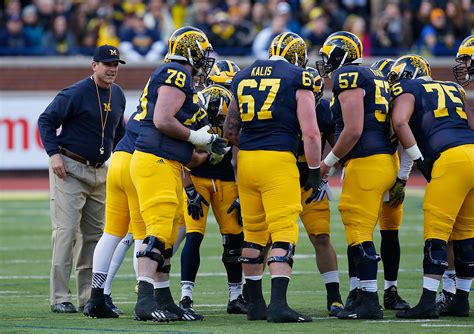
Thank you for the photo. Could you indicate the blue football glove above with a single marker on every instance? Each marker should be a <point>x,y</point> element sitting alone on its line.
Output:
<point>194,202</point>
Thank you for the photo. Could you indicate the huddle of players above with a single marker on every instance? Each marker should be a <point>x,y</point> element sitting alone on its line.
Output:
<point>266,121</point>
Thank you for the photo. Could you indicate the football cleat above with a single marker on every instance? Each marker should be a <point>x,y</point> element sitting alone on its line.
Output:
<point>97,309</point>
<point>147,308</point>
<point>392,301</point>
<point>283,313</point>
<point>351,299</point>
<point>186,304</point>
<point>425,309</point>
<point>366,307</point>
<point>335,308</point>
<point>237,306</point>
<point>458,306</point>
<point>444,299</point>
<point>65,307</point>
<point>111,305</point>
<point>257,311</point>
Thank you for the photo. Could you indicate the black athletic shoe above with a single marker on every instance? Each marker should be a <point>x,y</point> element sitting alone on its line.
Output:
<point>147,308</point>
<point>95,309</point>
<point>458,307</point>
<point>283,313</point>
<point>335,308</point>
<point>65,307</point>
<point>237,306</point>
<point>420,311</point>
<point>257,311</point>
<point>351,298</point>
<point>444,300</point>
<point>365,307</point>
<point>392,301</point>
<point>111,305</point>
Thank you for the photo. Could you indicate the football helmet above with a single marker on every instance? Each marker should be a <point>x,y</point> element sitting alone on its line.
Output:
<point>191,45</point>
<point>290,46</point>
<point>318,86</point>
<point>409,67</point>
<point>222,73</point>
<point>339,49</point>
<point>383,65</point>
<point>464,71</point>
<point>217,100</point>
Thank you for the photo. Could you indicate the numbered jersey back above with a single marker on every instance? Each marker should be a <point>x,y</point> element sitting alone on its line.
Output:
<point>266,97</point>
<point>375,138</point>
<point>191,115</point>
<point>439,120</point>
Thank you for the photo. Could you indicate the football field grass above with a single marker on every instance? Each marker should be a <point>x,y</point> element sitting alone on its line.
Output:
<point>25,234</point>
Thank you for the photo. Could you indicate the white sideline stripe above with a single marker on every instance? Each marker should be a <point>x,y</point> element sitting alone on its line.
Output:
<point>445,325</point>
<point>408,321</point>
<point>178,274</point>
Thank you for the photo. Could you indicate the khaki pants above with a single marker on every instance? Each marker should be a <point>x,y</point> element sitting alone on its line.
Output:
<point>77,217</point>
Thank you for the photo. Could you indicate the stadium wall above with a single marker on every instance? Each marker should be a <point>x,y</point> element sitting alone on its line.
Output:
<point>27,85</point>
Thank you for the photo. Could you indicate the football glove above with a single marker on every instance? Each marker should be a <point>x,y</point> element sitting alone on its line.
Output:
<point>325,190</point>
<point>194,202</point>
<point>215,158</point>
<point>204,140</point>
<point>397,193</point>
<point>313,182</point>
<point>236,206</point>
<point>425,168</point>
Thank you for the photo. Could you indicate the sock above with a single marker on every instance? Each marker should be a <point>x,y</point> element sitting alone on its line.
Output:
<point>463,284</point>
<point>163,296</point>
<point>449,280</point>
<point>351,264</point>
<point>117,259</point>
<point>330,277</point>
<point>279,289</point>
<point>97,294</point>
<point>389,284</point>
<point>235,290</point>
<point>98,280</point>
<point>187,289</point>
<point>190,257</point>
<point>430,284</point>
<point>428,296</point>
<point>161,285</point>
<point>180,238</point>
<point>103,252</point>
<point>254,287</point>
<point>136,248</point>
<point>354,283</point>
<point>368,285</point>
<point>390,253</point>
<point>145,279</point>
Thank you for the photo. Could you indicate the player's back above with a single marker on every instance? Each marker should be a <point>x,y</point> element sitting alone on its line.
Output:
<point>266,96</point>
<point>439,120</point>
<point>375,137</point>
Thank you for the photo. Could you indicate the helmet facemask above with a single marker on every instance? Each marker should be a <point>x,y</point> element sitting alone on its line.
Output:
<point>464,71</point>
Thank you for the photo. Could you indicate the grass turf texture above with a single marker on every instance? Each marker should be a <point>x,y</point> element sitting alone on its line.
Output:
<point>24,282</point>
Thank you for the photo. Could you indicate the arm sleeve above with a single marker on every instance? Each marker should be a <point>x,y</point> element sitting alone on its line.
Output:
<point>51,119</point>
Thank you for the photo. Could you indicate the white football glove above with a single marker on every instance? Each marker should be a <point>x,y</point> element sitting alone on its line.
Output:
<point>325,190</point>
<point>208,142</point>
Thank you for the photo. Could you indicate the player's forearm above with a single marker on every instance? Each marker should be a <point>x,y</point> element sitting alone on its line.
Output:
<point>171,127</point>
<point>346,142</point>
<point>404,134</point>
<point>312,150</point>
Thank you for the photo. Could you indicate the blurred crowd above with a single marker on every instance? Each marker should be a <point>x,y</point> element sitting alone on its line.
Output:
<point>140,28</point>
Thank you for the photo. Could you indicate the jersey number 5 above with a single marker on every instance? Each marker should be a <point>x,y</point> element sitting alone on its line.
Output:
<point>247,99</point>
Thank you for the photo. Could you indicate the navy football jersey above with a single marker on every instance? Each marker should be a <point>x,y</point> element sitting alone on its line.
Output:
<point>439,120</point>
<point>326,128</point>
<point>266,96</point>
<point>375,138</point>
<point>191,115</point>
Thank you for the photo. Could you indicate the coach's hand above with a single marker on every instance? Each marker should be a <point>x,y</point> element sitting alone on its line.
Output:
<point>58,166</point>
<point>236,206</point>
<point>195,201</point>
<point>397,193</point>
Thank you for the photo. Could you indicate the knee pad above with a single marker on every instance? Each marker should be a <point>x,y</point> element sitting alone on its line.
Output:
<point>152,242</point>
<point>167,254</point>
<point>249,260</point>
<point>464,257</point>
<point>435,259</point>
<point>365,252</point>
<point>232,247</point>
<point>164,269</point>
<point>288,258</point>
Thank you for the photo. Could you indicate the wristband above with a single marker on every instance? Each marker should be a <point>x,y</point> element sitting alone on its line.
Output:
<point>316,167</point>
<point>414,153</point>
<point>331,159</point>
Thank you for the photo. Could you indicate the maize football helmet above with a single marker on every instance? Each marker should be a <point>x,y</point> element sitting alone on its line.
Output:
<point>290,46</point>
<point>339,49</point>
<point>191,45</point>
<point>464,71</point>
<point>222,73</point>
<point>318,85</point>
<point>383,65</point>
<point>409,67</point>
<point>217,100</point>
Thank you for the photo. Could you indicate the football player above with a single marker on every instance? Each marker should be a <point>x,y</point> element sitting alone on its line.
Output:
<point>213,183</point>
<point>273,102</point>
<point>316,215</point>
<point>464,71</point>
<point>430,120</point>
<point>360,107</point>
<point>222,73</point>
<point>169,131</point>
